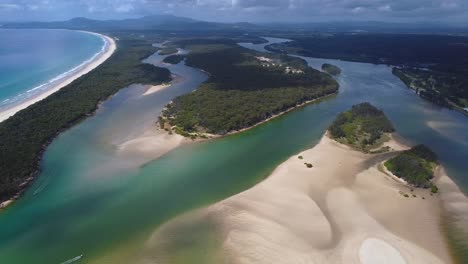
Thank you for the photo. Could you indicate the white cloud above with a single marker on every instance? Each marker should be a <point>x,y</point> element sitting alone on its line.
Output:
<point>10,6</point>
<point>125,8</point>
<point>385,8</point>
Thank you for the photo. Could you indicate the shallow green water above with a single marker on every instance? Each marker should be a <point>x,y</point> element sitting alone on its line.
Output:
<point>90,201</point>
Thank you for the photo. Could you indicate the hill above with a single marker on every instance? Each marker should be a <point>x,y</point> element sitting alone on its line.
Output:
<point>153,22</point>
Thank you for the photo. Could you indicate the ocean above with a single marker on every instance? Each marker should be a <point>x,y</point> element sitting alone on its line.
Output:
<point>33,60</point>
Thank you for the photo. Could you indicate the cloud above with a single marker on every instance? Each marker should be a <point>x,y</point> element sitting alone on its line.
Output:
<point>125,8</point>
<point>244,10</point>
<point>9,6</point>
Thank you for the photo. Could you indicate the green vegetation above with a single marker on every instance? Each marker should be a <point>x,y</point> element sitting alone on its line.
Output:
<point>168,51</point>
<point>436,66</point>
<point>244,88</point>
<point>445,89</point>
<point>300,157</point>
<point>416,166</point>
<point>309,165</point>
<point>173,59</point>
<point>331,69</point>
<point>24,136</point>
<point>363,127</point>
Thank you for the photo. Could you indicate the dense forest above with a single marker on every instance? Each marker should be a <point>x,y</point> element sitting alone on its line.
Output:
<point>363,127</point>
<point>416,166</point>
<point>436,51</point>
<point>445,89</point>
<point>173,59</point>
<point>168,51</point>
<point>437,63</point>
<point>331,69</point>
<point>24,136</point>
<point>244,87</point>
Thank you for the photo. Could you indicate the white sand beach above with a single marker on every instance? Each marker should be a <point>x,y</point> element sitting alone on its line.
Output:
<point>342,210</point>
<point>98,60</point>
<point>156,88</point>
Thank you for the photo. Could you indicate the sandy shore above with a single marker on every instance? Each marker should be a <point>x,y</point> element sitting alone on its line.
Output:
<point>151,144</point>
<point>342,210</point>
<point>156,88</point>
<point>109,50</point>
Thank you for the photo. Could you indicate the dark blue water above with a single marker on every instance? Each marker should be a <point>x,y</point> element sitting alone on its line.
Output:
<point>31,58</point>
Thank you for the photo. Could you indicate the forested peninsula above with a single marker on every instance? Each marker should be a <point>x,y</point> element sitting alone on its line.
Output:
<point>245,88</point>
<point>25,136</point>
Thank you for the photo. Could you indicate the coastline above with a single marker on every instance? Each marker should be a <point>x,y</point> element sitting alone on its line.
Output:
<point>342,196</point>
<point>109,48</point>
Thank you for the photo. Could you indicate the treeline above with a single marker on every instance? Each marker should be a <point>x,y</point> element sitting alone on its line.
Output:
<point>173,59</point>
<point>331,69</point>
<point>241,90</point>
<point>361,127</point>
<point>416,166</point>
<point>168,51</point>
<point>24,136</point>
<point>444,58</point>
<point>436,51</point>
<point>445,89</point>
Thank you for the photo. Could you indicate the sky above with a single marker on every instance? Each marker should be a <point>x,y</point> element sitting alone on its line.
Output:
<point>447,11</point>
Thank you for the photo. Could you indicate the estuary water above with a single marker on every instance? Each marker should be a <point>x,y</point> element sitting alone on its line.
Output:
<point>89,205</point>
<point>33,59</point>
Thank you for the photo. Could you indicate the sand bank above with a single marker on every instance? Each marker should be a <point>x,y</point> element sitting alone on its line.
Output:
<point>156,88</point>
<point>342,210</point>
<point>109,49</point>
<point>454,200</point>
<point>151,144</point>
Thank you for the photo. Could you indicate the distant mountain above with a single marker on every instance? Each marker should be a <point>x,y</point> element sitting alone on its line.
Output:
<point>175,23</point>
<point>160,22</point>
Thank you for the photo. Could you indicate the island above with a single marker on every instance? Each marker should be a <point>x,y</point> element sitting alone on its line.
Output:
<point>173,59</point>
<point>364,127</point>
<point>331,69</point>
<point>168,51</point>
<point>244,90</point>
<point>416,166</point>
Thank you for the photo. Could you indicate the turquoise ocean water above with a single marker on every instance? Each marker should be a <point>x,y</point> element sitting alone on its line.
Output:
<point>32,60</point>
